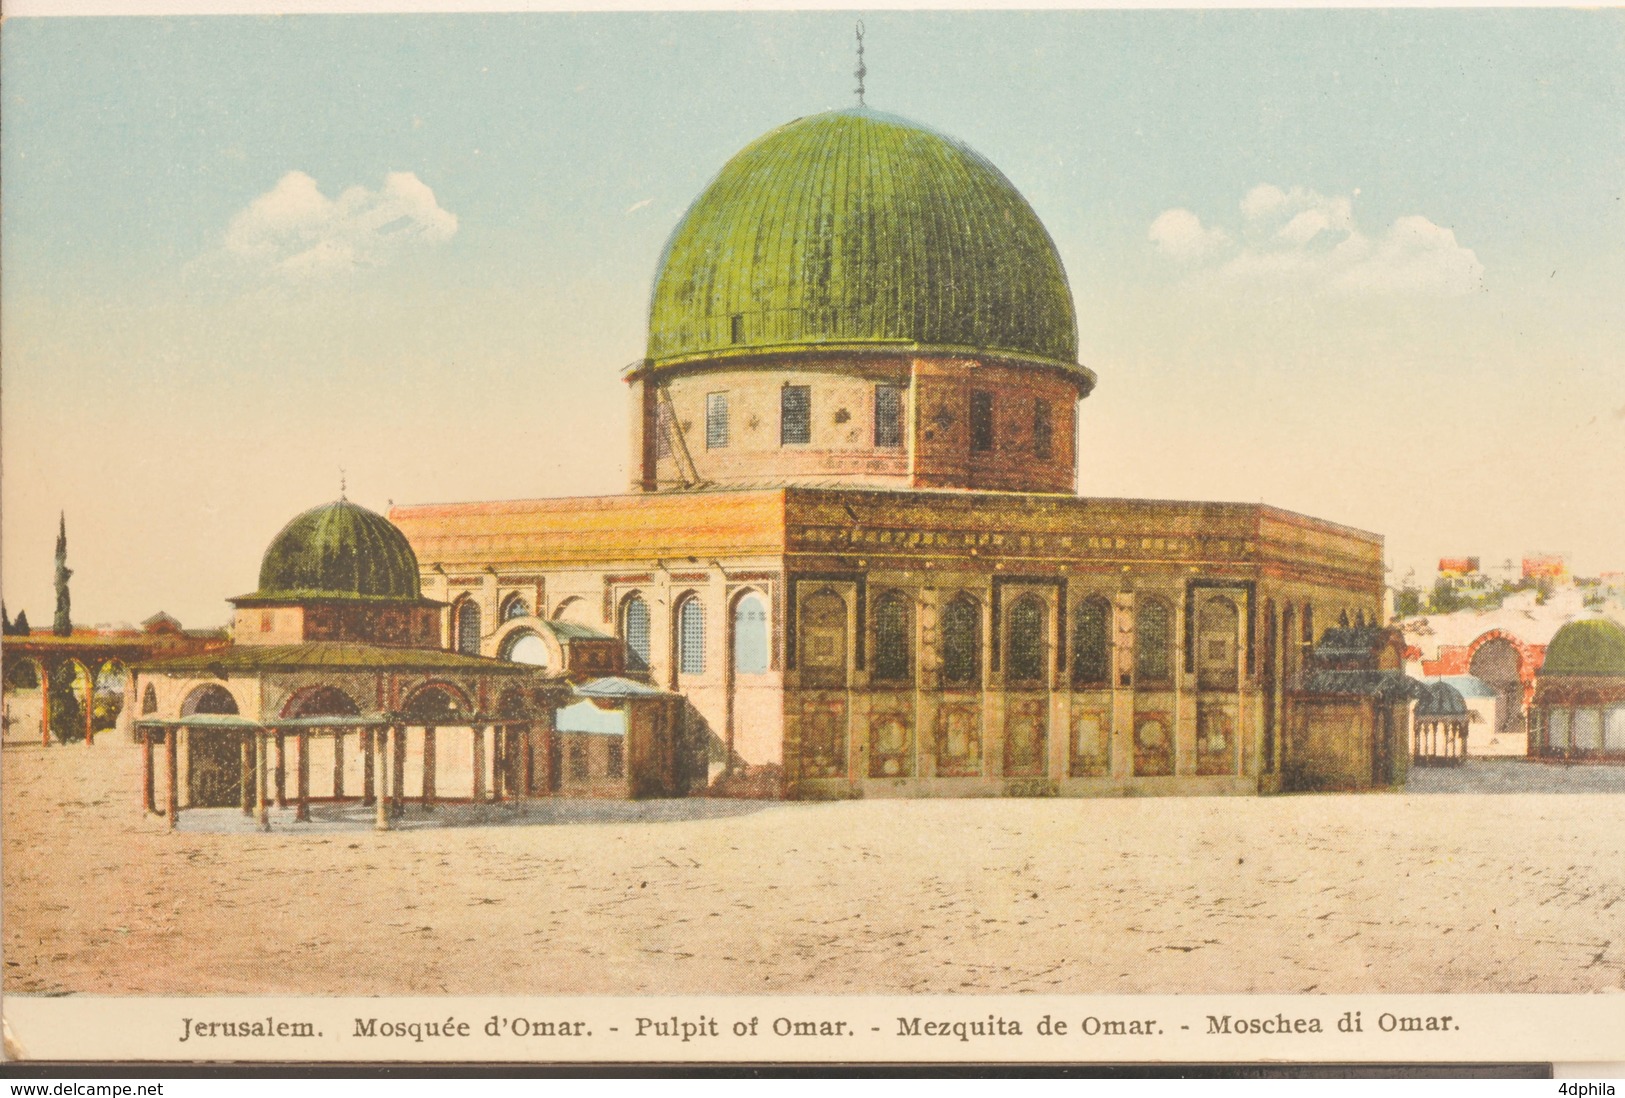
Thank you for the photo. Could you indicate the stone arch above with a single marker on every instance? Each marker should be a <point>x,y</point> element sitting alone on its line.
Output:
<point>209,699</point>
<point>14,677</point>
<point>521,641</point>
<point>437,702</point>
<point>322,700</point>
<point>1505,664</point>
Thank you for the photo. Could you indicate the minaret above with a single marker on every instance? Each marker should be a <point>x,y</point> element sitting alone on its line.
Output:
<point>63,625</point>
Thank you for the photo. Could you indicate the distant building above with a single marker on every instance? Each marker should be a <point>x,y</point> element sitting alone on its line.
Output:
<point>1546,566</point>
<point>1579,710</point>
<point>1457,566</point>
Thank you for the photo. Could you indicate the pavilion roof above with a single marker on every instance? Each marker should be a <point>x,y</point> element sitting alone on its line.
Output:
<point>335,656</point>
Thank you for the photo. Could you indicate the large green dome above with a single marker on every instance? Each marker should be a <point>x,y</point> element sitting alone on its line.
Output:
<point>339,550</point>
<point>855,227</point>
<point>1589,646</point>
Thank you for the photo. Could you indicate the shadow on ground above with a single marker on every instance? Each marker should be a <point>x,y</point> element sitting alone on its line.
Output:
<point>326,818</point>
<point>1517,776</point>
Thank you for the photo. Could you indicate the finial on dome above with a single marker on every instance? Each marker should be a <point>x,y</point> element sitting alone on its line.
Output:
<point>861,71</point>
<point>343,486</point>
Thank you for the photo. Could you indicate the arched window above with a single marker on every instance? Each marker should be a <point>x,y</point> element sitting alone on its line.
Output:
<point>750,635</point>
<point>1026,658</point>
<point>1092,643</point>
<point>962,642</point>
<point>524,646</point>
<point>635,631</point>
<point>823,641</point>
<point>149,700</point>
<point>1308,625</point>
<point>894,638</point>
<point>1216,646</point>
<point>691,637</point>
<point>1153,641</point>
<point>468,627</point>
<point>515,607</point>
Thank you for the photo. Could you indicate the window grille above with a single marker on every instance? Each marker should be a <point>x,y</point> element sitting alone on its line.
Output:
<point>1026,663</point>
<point>617,759</point>
<point>468,628</point>
<point>691,638</point>
<point>663,430</point>
<point>1153,633</point>
<point>716,421</point>
<point>981,421</point>
<point>795,415</point>
<point>579,769</point>
<point>635,629</point>
<point>961,643</point>
<point>1043,431</point>
<point>893,641</point>
<point>888,416</point>
<point>517,608</point>
<point>1092,643</point>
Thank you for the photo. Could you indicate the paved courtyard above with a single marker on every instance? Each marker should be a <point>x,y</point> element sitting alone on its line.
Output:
<point>1496,892</point>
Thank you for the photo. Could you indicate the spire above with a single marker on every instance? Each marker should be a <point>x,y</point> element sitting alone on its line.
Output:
<point>862,70</point>
<point>343,486</point>
<point>62,626</point>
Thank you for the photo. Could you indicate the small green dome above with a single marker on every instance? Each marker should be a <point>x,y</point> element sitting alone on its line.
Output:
<point>1590,646</point>
<point>339,550</point>
<point>856,227</point>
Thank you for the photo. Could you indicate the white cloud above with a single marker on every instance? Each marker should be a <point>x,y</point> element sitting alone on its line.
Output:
<point>1301,238</point>
<point>295,231</point>
<point>1179,234</point>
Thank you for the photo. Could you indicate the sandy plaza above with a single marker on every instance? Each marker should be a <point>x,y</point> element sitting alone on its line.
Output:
<point>1395,893</point>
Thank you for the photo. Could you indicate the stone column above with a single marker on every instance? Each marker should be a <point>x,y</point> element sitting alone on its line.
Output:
<point>369,766</point>
<point>147,794</point>
<point>479,762</point>
<point>338,763</point>
<point>172,802</point>
<point>263,777</point>
<point>378,773</point>
<point>90,708</point>
<point>246,750</point>
<point>428,769</point>
<point>303,813</point>
<point>281,771</point>
<point>398,774</point>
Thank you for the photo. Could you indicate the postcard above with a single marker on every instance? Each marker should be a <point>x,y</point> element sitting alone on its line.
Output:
<point>977,535</point>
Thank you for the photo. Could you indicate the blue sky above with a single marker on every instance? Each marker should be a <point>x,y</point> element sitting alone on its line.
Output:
<point>1363,264</point>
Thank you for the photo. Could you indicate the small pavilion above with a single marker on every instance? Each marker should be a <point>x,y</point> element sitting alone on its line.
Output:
<point>1439,725</point>
<point>1579,708</point>
<point>336,669</point>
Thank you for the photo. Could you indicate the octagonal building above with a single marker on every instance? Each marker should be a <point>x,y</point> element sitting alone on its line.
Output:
<point>853,540</point>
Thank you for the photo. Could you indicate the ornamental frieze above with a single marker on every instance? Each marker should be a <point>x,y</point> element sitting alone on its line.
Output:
<point>837,537</point>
